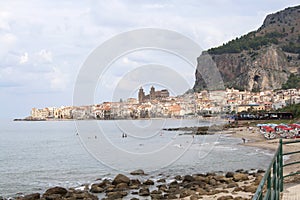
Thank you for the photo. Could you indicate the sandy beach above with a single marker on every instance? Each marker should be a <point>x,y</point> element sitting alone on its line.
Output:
<point>255,139</point>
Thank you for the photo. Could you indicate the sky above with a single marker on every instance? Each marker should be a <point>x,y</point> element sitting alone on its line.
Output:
<point>44,43</point>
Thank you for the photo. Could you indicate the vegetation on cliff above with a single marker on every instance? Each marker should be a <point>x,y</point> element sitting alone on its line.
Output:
<point>263,59</point>
<point>292,82</point>
<point>247,42</point>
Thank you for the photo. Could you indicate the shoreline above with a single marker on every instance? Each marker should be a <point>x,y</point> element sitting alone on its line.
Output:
<point>255,139</point>
<point>240,184</point>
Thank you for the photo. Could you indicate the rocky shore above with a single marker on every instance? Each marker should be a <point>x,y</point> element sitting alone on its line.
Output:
<point>237,185</point>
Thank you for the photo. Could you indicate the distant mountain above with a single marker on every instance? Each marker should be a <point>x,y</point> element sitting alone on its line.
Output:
<point>262,59</point>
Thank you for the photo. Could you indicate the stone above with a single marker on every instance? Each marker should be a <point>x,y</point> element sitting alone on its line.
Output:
<point>258,180</point>
<point>156,196</point>
<point>237,189</point>
<point>162,188</point>
<point>78,194</point>
<point>261,171</point>
<point>120,178</point>
<point>144,192</point>
<point>212,182</point>
<point>200,178</point>
<point>188,178</point>
<point>240,177</point>
<point>148,182</point>
<point>185,193</point>
<point>122,186</point>
<point>178,178</point>
<point>250,188</point>
<point>171,196</point>
<point>138,172</point>
<point>116,195</point>
<point>194,197</point>
<point>225,197</point>
<point>201,191</point>
<point>232,185</point>
<point>162,180</point>
<point>229,174</point>
<point>56,190</point>
<point>33,196</point>
<point>95,188</point>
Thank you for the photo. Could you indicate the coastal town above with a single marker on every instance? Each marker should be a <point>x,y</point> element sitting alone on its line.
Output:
<point>159,104</point>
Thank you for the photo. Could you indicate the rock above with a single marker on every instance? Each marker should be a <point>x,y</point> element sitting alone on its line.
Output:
<point>200,178</point>
<point>120,178</point>
<point>78,194</point>
<point>162,180</point>
<point>171,196</point>
<point>261,171</point>
<point>95,188</point>
<point>33,196</point>
<point>185,193</point>
<point>162,188</point>
<point>240,177</point>
<point>188,178</point>
<point>237,189</point>
<point>122,186</point>
<point>178,178</point>
<point>138,172</point>
<point>174,183</point>
<point>251,188</point>
<point>239,198</point>
<point>257,180</point>
<point>156,196</point>
<point>229,175</point>
<point>232,185</point>
<point>194,197</point>
<point>210,174</point>
<point>212,182</point>
<point>104,183</point>
<point>134,198</point>
<point>144,192</point>
<point>55,190</point>
<point>148,182</point>
<point>239,170</point>
<point>225,197</point>
<point>116,195</point>
<point>201,191</point>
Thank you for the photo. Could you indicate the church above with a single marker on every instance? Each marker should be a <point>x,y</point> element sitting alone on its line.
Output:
<point>154,95</point>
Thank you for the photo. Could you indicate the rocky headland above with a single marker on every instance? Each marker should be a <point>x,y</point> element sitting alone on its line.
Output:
<point>260,60</point>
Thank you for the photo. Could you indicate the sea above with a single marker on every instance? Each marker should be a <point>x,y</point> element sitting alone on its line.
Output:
<point>36,155</point>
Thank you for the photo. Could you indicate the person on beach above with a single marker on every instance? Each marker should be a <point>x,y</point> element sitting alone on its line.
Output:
<point>244,140</point>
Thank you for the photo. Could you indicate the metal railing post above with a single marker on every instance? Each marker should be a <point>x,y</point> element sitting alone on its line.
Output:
<point>281,164</point>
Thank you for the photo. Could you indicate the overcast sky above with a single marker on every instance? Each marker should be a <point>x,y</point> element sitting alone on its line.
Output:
<point>43,43</point>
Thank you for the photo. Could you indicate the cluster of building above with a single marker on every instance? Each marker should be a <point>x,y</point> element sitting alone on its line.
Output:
<point>159,104</point>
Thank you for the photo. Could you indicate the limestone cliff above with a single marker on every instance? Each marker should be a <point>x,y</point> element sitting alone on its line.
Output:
<point>260,60</point>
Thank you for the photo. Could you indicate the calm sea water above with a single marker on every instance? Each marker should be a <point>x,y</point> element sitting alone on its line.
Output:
<point>38,155</point>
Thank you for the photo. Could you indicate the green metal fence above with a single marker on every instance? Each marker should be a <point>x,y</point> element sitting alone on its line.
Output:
<point>272,183</point>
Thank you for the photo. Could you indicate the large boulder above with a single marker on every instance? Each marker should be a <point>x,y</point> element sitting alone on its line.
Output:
<point>56,191</point>
<point>120,178</point>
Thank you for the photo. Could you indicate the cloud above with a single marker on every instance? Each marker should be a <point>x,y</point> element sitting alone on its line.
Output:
<point>24,58</point>
<point>45,55</point>
<point>58,79</point>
